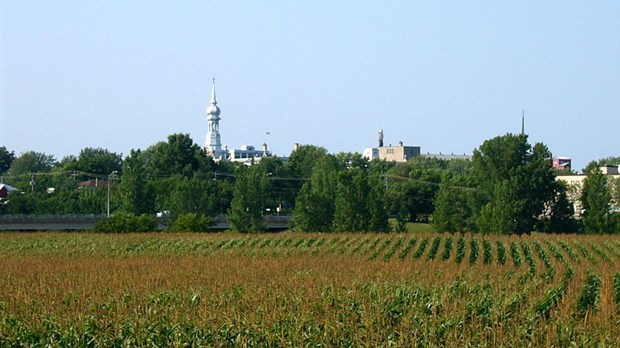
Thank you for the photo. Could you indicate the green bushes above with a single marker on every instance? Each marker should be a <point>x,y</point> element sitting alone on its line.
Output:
<point>191,223</point>
<point>125,223</point>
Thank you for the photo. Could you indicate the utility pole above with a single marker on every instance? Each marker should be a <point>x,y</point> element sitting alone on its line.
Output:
<point>109,176</point>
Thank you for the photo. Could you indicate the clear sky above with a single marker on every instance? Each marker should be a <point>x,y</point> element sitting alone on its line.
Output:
<point>443,75</point>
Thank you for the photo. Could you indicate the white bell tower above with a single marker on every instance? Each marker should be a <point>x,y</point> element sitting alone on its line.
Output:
<point>213,144</point>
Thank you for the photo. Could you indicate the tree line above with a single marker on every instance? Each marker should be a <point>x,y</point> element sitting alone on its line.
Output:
<point>508,187</point>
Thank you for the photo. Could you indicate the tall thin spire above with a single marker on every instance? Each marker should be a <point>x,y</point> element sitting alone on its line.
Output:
<point>213,101</point>
<point>213,144</point>
<point>523,122</point>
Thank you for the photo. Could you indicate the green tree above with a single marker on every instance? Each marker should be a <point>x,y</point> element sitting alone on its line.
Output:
<point>191,223</point>
<point>515,182</point>
<point>195,195</point>
<point>32,162</point>
<point>302,160</point>
<point>351,160</point>
<point>401,219</point>
<point>500,216</point>
<point>179,155</point>
<point>351,209</point>
<point>596,202</point>
<point>453,211</point>
<point>137,195</point>
<point>98,161</point>
<point>559,216</point>
<point>6,158</point>
<point>377,206</point>
<point>611,160</point>
<point>314,208</point>
<point>283,187</point>
<point>126,223</point>
<point>249,198</point>
<point>414,184</point>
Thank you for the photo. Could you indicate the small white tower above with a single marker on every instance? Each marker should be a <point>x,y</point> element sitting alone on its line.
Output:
<point>213,144</point>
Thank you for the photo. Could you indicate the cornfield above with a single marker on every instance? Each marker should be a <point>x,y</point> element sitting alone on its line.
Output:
<point>62,289</point>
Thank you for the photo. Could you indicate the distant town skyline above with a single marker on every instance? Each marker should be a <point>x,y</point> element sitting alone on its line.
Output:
<point>441,75</point>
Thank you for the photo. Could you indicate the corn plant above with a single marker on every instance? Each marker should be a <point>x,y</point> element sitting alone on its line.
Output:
<point>586,253</point>
<point>529,259</point>
<point>447,249</point>
<point>569,251</point>
<point>265,243</point>
<point>388,255</point>
<point>380,249</point>
<point>370,247</point>
<point>613,250</point>
<point>514,253</point>
<point>360,245</point>
<point>616,281</point>
<point>487,252</point>
<point>460,250</point>
<point>420,249</point>
<point>555,252</point>
<point>434,248</point>
<point>600,252</point>
<point>545,259</point>
<point>86,290</point>
<point>554,296</point>
<point>589,297</point>
<point>501,253</point>
<point>407,248</point>
<point>473,252</point>
<point>346,244</point>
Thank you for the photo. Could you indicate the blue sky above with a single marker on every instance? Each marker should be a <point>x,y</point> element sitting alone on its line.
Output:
<point>443,75</point>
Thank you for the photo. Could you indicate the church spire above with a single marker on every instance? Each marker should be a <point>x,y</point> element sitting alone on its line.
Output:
<point>213,101</point>
<point>213,144</point>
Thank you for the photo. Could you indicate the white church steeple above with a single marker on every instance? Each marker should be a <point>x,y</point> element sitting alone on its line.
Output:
<point>213,144</point>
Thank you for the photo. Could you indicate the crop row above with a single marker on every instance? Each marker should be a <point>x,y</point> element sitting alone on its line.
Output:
<point>437,248</point>
<point>308,289</point>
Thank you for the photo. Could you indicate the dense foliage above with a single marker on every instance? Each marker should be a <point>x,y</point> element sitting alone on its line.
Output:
<point>126,223</point>
<point>508,187</point>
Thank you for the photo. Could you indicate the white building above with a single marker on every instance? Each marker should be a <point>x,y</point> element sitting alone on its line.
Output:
<point>575,184</point>
<point>400,153</point>
<point>403,153</point>
<point>213,143</point>
<point>247,154</point>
